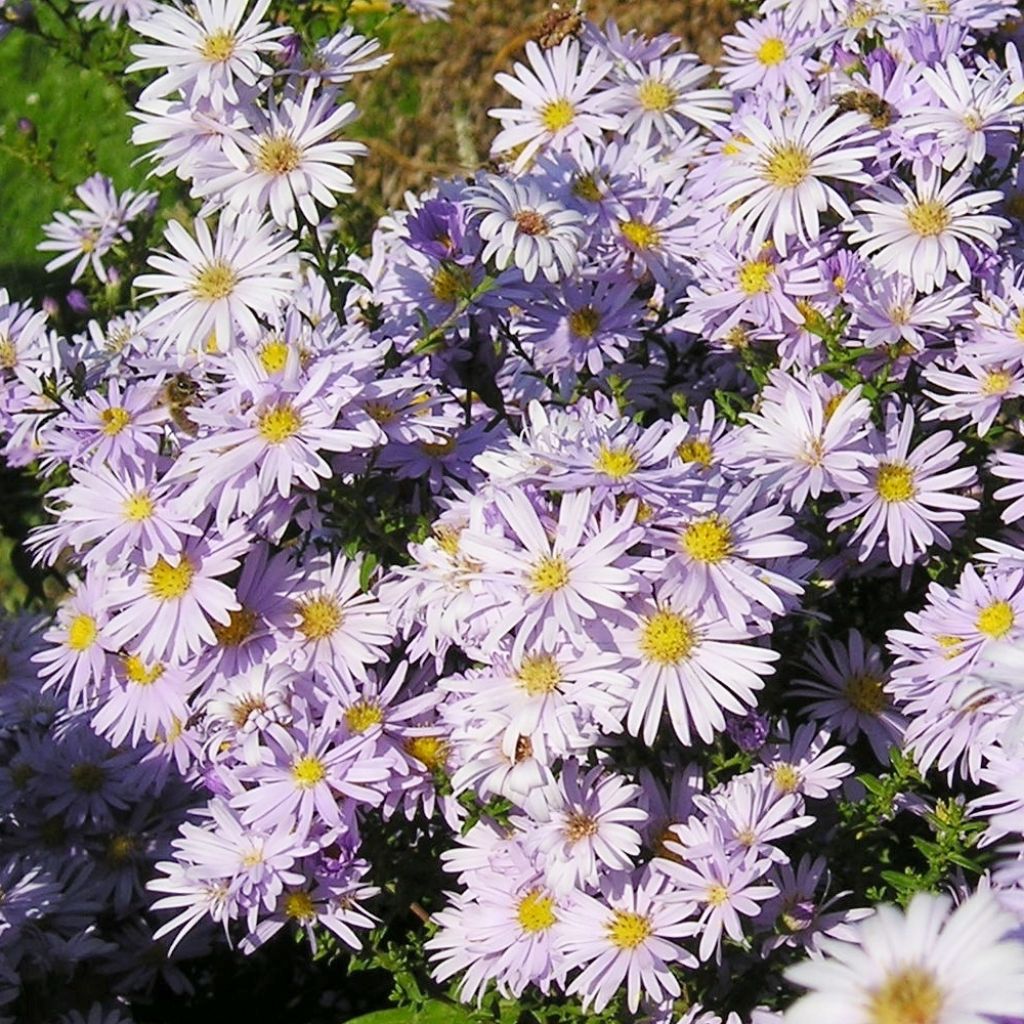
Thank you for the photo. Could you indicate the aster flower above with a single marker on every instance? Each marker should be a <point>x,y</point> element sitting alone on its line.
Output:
<point>769,55</point>
<point>849,693</point>
<point>977,395</point>
<point>524,228</point>
<point>217,282</point>
<point>658,103</point>
<point>291,157</point>
<point>806,764</point>
<point>776,188</point>
<point>959,966</point>
<point>906,494</point>
<point>722,888</point>
<point>928,229</point>
<point>209,50</point>
<point>629,936</point>
<point>590,830</point>
<point>682,653</point>
<point>561,105</point>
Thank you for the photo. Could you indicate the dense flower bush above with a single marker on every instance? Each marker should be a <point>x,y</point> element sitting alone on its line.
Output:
<point>595,596</point>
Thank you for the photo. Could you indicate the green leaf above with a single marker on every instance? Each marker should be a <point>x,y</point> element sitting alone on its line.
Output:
<point>433,1012</point>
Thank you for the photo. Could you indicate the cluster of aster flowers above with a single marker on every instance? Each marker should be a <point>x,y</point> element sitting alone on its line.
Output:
<point>557,523</point>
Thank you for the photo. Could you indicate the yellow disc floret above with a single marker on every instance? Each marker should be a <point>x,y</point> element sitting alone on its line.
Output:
<point>707,540</point>
<point>169,582</point>
<point>655,95</point>
<point>539,674</point>
<point>279,423</point>
<point>557,114</point>
<point>215,281</point>
<point>278,155</point>
<point>114,420</point>
<point>771,52</point>
<point>321,617</point>
<point>996,620</point>
<point>307,771</point>
<point>82,632</point>
<point>895,482</point>
<point>667,638</point>
<point>787,166</point>
<point>618,463</point>
<point>908,996</point>
<point>549,574</point>
<point>928,218</point>
<point>627,930</point>
<point>536,912</point>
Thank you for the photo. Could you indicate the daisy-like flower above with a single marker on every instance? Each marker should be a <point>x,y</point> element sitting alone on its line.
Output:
<point>658,102</point>
<point>906,494</point>
<point>561,576</point>
<point>590,831</point>
<point>208,50</point>
<point>924,231</point>
<point>169,608</point>
<point>722,887</point>
<point>849,693</point>
<point>928,964</point>
<point>769,55</point>
<point>804,440</point>
<point>331,621</point>
<point>522,227</point>
<point>629,936</point>
<point>719,545</point>
<point>776,186</point>
<point>977,395</point>
<point>561,104</point>
<point>806,765</point>
<point>290,157</point>
<point>973,110</point>
<point>691,659</point>
<point>217,285</point>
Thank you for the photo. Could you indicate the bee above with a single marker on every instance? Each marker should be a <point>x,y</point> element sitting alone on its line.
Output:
<point>866,102</point>
<point>559,25</point>
<point>178,394</point>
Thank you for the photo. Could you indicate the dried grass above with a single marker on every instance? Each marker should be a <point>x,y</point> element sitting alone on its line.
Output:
<point>427,111</point>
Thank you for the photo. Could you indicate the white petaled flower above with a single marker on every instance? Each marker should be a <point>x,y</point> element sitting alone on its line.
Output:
<point>927,966</point>
<point>560,107</point>
<point>209,51</point>
<point>658,101</point>
<point>776,186</point>
<point>522,227</point>
<point>217,283</point>
<point>289,159</point>
<point>923,231</point>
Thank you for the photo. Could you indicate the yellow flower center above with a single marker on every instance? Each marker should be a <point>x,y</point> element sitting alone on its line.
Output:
<point>655,95</point>
<point>8,353</point>
<point>639,234</point>
<point>362,715</point>
<point>239,628</point>
<point>708,540</point>
<point>895,482</point>
<point>138,506</point>
<point>121,847</point>
<point>771,52</point>
<point>551,573</point>
<point>219,46</point>
<point>929,218</point>
<point>627,930</point>
<point>307,771</point>
<point>584,322</point>
<point>908,996</point>
<point>138,672</point>
<point>274,355</point>
<point>215,281</point>
<point>996,620</point>
<point>755,277</point>
<point>787,167</point>
<point>278,155</point>
<point>169,582</point>
<point>557,114</point>
<point>82,632</point>
<point>431,750</point>
<point>580,826</point>
<point>321,617</point>
<point>535,912</point>
<point>667,638</point>
<point>786,777</point>
<point>697,450</point>
<point>717,895</point>
<point>279,423</point>
<point>996,382</point>
<point>864,693</point>
<point>114,420</point>
<point>451,282</point>
<point>617,463</point>
<point>299,906</point>
<point>539,673</point>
